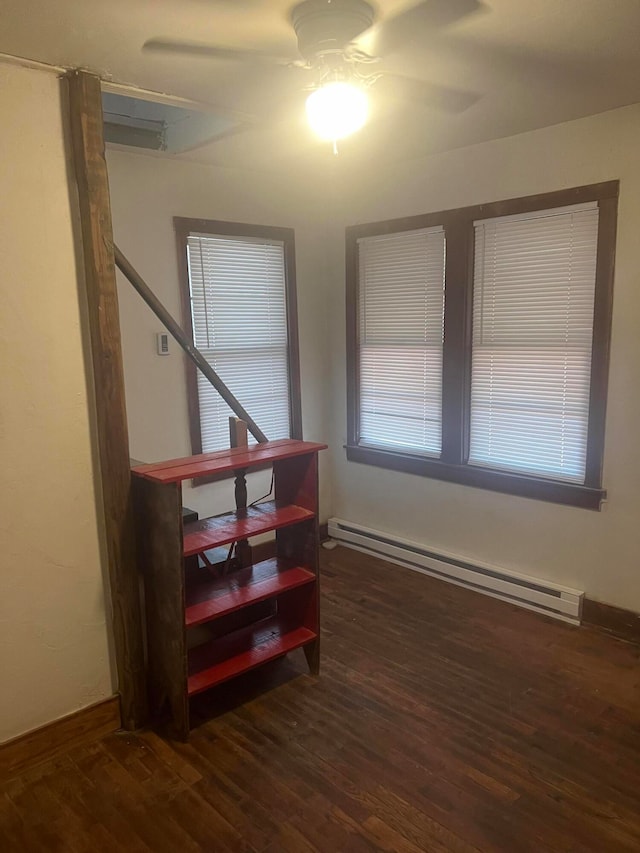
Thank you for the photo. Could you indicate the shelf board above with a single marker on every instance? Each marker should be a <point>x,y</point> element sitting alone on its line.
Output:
<point>242,524</point>
<point>226,657</point>
<point>207,464</point>
<point>210,598</point>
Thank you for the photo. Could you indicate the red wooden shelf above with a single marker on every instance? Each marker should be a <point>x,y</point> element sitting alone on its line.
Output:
<point>210,598</point>
<point>226,657</point>
<point>248,617</point>
<point>206,464</point>
<point>242,524</point>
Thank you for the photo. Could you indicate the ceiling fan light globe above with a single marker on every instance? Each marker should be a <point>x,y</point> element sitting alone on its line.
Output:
<point>337,110</point>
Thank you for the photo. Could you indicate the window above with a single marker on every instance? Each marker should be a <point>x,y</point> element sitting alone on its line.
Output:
<point>238,286</point>
<point>478,343</point>
<point>401,329</point>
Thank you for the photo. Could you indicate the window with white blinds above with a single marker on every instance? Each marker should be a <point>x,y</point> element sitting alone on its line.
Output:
<point>478,343</point>
<point>401,313</point>
<point>239,316</point>
<point>533,306</point>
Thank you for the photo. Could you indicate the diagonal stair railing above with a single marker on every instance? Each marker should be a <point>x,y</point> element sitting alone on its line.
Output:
<point>194,354</point>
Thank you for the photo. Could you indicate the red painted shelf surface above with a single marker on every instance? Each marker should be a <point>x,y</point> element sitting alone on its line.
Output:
<point>222,529</point>
<point>207,464</point>
<point>209,598</point>
<point>226,657</point>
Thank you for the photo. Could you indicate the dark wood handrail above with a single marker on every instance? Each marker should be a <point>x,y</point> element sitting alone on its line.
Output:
<point>194,354</point>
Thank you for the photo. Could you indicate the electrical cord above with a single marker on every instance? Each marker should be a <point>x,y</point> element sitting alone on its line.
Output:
<point>264,497</point>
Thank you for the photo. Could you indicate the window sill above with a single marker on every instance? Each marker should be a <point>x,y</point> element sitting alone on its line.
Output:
<point>481,478</point>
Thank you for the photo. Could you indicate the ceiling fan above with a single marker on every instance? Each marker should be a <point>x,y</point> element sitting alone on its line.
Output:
<point>330,35</point>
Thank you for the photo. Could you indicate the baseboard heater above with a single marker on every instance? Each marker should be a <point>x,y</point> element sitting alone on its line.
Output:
<point>541,596</point>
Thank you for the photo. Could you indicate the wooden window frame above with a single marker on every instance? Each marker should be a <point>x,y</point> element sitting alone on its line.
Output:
<point>456,385</point>
<point>183,228</point>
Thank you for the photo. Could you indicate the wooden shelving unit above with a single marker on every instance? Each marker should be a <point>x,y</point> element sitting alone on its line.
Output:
<point>221,530</point>
<point>231,606</point>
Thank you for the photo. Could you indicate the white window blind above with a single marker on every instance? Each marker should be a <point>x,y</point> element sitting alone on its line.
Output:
<point>239,315</point>
<point>401,318</point>
<point>533,306</point>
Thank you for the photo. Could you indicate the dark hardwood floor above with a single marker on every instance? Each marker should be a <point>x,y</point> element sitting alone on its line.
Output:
<point>442,721</point>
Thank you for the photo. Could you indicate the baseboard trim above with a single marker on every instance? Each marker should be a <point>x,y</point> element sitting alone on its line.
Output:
<point>624,624</point>
<point>41,744</point>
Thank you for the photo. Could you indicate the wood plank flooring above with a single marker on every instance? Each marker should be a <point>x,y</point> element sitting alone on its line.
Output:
<point>443,721</point>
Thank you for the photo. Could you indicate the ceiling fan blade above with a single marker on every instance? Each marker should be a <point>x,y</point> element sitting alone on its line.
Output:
<point>420,21</point>
<point>214,51</point>
<point>445,98</point>
<point>546,67</point>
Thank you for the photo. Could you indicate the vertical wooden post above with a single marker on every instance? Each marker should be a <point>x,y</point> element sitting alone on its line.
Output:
<point>238,438</point>
<point>238,433</point>
<point>85,106</point>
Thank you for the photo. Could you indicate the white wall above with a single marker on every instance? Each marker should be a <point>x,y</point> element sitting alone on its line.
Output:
<point>593,551</point>
<point>597,552</point>
<point>146,193</point>
<point>53,636</point>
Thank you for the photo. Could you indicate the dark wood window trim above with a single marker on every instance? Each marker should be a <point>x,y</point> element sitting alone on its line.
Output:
<point>459,233</point>
<point>183,228</point>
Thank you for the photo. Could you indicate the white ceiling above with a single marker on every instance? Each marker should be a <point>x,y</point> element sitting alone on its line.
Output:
<point>534,63</point>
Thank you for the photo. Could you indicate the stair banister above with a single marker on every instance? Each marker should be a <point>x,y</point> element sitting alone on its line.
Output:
<point>194,354</point>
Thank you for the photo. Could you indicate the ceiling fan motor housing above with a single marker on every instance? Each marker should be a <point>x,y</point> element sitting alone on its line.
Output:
<point>329,25</point>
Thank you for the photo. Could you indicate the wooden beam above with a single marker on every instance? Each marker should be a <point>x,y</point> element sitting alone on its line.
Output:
<point>129,271</point>
<point>238,433</point>
<point>160,543</point>
<point>85,107</point>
